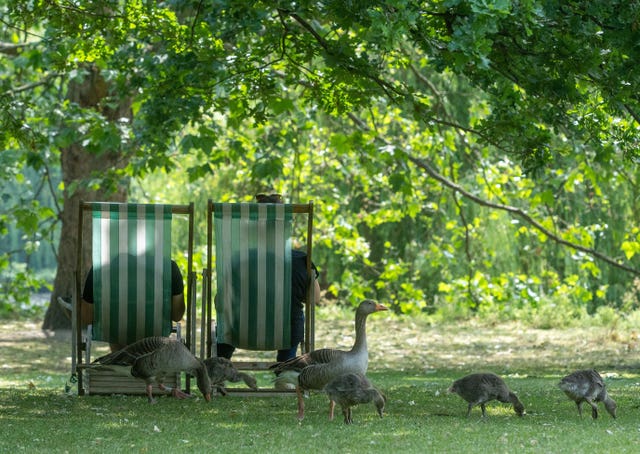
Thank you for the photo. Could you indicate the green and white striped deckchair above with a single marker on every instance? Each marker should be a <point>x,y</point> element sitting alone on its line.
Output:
<point>131,271</point>
<point>131,263</point>
<point>253,269</point>
<point>253,275</point>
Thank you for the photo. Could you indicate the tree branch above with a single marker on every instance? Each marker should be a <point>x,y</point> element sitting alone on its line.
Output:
<point>632,112</point>
<point>388,89</point>
<point>31,86</point>
<point>195,19</point>
<point>20,29</point>
<point>467,251</point>
<point>436,94</point>
<point>513,210</point>
<point>11,48</point>
<point>521,214</point>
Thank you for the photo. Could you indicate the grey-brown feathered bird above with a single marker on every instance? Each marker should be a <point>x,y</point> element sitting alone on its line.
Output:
<point>315,369</point>
<point>350,390</point>
<point>152,359</point>
<point>587,386</point>
<point>221,370</point>
<point>478,389</point>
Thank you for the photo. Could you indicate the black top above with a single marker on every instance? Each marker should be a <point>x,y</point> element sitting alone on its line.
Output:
<point>177,286</point>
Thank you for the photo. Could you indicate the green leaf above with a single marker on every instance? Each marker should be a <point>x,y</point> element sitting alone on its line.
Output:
<point>630,248</point>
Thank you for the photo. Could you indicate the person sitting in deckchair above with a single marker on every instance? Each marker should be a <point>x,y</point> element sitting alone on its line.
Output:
<point>177,299</point>
<point>299,281</point>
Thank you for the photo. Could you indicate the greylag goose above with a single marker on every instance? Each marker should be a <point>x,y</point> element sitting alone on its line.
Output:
<point>152,359</point>
<point>313,370</point>
<point>350,390</point>
<point>221,370</point>
<point>587,386</point>
<point>478,389</point>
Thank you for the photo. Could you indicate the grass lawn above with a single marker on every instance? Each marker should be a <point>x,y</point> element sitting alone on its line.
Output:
<point>412,362</point>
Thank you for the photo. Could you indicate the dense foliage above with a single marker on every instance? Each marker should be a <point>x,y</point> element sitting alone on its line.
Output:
<point>464,154</point>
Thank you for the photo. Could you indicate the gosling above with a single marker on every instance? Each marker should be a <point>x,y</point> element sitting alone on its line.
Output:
<point>587,386</point>
<point>478,389</point>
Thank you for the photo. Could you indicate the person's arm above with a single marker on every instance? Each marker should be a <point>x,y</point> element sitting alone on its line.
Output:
<point>86,302</point>
<point>178,307</point>
<point>86,313</point>
<point>316,291</point>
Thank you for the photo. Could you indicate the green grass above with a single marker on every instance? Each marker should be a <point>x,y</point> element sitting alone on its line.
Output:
<point>412,362</point>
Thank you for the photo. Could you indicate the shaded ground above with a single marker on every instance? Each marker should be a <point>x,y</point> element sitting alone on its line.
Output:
<point>401,344</point>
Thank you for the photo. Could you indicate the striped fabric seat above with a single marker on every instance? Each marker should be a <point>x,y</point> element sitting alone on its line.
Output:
<point>131,271</point>
<point>131,281</point>
<point>253,274</point>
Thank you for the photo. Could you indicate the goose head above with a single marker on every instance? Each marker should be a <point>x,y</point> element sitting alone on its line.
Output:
<point>203,381</point>
<point>367,307</point>
<point>379,400</point>
<point>610,406</point>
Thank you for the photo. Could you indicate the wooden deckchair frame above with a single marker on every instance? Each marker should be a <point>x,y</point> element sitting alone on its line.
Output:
<point>208,337</point>
<point>80,350</point>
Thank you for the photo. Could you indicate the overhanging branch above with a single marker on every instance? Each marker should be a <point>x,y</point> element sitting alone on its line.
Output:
<point>44,81</point>
<point>519,213</point>
<point>388,89</point>
<point>11,48</point>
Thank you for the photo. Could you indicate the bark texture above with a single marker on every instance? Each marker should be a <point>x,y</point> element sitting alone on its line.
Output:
<point>77,165</point>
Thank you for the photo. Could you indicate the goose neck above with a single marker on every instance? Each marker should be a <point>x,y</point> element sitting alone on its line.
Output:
<point>361,332</point>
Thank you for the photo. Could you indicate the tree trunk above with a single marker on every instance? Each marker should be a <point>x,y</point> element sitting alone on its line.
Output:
<point>77,164</point>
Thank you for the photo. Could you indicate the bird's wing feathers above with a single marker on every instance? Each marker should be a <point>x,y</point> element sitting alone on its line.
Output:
<point>315,357</point>
<point>133,352</point>
<point>326,355</point>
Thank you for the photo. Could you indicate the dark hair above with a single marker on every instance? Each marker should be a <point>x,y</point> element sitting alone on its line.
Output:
<point>269,198</point>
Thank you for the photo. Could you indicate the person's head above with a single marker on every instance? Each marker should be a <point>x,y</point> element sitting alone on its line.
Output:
<point>269,198</point>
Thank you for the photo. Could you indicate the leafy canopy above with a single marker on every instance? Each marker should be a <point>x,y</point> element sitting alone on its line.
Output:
<point>525,104</point>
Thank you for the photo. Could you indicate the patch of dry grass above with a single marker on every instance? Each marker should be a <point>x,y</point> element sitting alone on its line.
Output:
<point>414,344</point>
<point>399,343</point>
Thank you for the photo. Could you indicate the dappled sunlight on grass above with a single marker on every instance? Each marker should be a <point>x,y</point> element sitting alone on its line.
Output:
<point>411,361</point>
